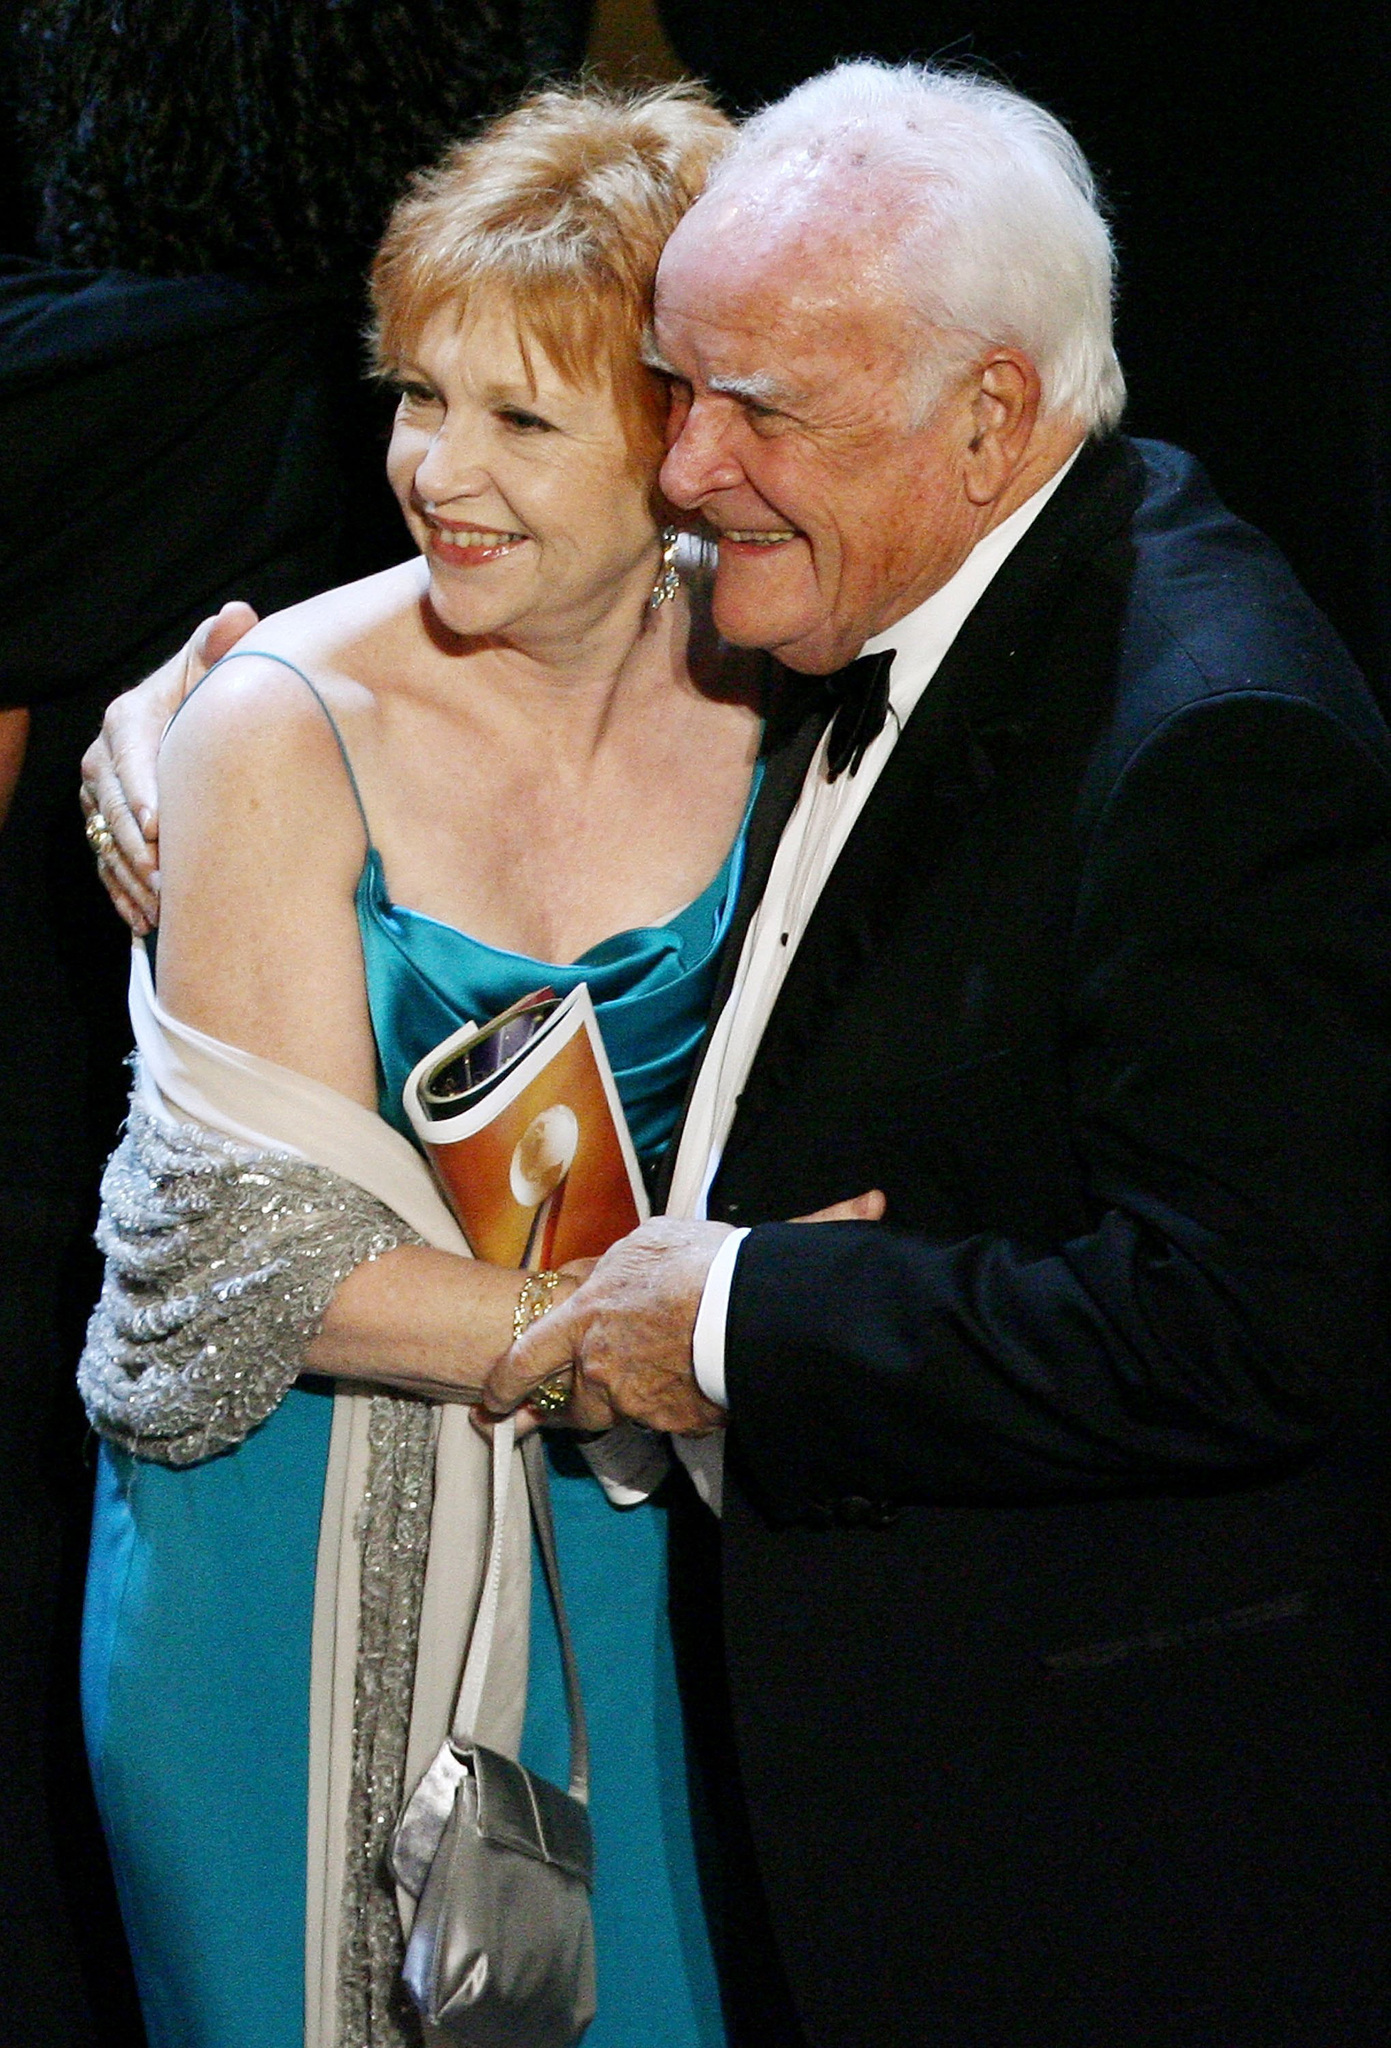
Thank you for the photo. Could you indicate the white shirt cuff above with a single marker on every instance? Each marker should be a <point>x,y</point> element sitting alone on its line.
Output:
<point>707,1341</point>
<point>628,1462</point>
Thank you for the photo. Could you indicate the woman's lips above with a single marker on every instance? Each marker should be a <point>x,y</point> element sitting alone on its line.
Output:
<point>464,547</point>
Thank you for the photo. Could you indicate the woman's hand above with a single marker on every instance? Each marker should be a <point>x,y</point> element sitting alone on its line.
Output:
<point>866,1208</point>
<point>586,1410</point>
<point>119,786</point>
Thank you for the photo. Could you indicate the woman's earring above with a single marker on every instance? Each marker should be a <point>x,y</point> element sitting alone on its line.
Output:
<point>668,581</point>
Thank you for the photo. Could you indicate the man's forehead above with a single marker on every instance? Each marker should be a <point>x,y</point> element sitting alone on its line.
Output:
<point>743,346</point>
<point>771,326</point>
<point>786,255</point>
<point>713,260</point>
<point>749,230</point>
<point>756,283</point>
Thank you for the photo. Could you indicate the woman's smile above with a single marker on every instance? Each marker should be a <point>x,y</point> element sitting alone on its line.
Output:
<point>468,547</point>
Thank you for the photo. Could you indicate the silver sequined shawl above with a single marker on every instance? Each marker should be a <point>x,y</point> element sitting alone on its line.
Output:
<point>220,1263</point>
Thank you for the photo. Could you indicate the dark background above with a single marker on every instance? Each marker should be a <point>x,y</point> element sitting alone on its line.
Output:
<point>1244,153</point>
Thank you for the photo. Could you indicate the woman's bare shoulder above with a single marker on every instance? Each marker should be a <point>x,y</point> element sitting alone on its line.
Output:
<point>347,632</point>
<point>261,842</point>
<point>265,701</point>
<point>261,847</point>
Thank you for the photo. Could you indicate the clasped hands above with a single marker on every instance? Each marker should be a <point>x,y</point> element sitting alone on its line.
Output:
<point>626,1331</point>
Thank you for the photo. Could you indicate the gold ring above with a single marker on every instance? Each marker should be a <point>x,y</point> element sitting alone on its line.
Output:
<point>553,1393</point>
<point>100,837</point>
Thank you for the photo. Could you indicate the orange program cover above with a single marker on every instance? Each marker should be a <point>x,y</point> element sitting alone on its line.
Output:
<point>540,1169</point>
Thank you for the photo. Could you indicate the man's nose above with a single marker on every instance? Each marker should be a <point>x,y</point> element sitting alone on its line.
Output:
<point>700,460</point>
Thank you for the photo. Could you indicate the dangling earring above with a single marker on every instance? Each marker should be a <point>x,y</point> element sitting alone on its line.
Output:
<point>668,580</point>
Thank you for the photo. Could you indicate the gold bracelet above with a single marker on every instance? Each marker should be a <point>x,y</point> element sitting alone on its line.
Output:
<point>537,1296</point>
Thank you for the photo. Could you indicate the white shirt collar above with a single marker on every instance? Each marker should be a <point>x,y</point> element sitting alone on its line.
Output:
<point>921,638</point>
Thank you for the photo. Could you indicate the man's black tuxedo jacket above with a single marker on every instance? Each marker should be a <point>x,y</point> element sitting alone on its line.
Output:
<point>1053,1541</point>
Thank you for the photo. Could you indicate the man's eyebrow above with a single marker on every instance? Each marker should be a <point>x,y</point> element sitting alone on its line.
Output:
<point>757,389</point>
<point>654,359</point>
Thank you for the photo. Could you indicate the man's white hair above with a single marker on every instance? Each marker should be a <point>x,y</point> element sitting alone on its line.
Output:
<point>1001,237</point>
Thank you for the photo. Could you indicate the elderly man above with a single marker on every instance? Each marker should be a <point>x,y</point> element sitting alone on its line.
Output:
<point>1053,1517</point>
<point>1053,1531</point>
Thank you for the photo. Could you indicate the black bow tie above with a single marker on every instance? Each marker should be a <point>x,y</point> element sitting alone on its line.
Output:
<point>860,692</point>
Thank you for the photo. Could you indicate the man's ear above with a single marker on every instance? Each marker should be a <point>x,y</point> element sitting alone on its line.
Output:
<point>1003,413</point>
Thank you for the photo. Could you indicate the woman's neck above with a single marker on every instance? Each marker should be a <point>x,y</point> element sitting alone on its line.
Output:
<point>577,682</point>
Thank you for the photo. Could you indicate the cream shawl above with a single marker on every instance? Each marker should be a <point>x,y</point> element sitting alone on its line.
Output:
<point>189,1077</point>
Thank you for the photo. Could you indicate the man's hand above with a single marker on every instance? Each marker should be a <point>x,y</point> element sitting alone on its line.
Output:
<point>118,770</point>
<point>627,1330</point>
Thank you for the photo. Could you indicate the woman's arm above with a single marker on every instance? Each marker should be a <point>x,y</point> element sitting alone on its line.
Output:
<point>440,1322</point>
<point>259,947</point>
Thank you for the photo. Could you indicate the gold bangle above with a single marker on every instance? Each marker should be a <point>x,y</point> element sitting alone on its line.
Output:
<point>537,1296</point>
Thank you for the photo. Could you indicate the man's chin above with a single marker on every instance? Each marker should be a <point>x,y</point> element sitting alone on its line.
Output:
<point>745,618</point>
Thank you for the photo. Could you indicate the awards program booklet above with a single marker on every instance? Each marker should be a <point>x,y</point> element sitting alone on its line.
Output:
<point>521,1121</point>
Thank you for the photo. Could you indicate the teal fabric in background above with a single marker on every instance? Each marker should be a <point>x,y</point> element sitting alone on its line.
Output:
<point>201,1585</point>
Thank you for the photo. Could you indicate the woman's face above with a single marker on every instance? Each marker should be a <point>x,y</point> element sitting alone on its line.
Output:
<point>518,486</point>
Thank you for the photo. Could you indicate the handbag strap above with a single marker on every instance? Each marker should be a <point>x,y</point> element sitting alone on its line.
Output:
<point>485,1621</point>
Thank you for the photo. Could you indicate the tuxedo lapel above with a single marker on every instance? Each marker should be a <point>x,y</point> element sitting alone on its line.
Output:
<point>982,705</point>
<point>785,764</point>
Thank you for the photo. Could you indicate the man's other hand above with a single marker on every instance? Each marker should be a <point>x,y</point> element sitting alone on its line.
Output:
<point>119,782</point>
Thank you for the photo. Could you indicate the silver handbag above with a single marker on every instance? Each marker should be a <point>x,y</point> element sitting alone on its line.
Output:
<point>501,1951</point>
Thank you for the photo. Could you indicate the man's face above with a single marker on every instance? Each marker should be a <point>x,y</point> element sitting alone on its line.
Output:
<point>792,433</point>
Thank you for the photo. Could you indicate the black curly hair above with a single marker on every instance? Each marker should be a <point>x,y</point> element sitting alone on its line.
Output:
<point>259,138</point>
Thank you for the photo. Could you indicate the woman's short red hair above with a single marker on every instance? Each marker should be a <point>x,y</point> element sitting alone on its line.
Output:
<point>562,207</point>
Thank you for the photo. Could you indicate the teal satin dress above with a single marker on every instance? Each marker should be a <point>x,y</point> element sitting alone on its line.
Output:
<point>201,1583</point>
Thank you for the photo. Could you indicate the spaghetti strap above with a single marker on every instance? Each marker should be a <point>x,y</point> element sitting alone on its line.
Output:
<point>261,655</point>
